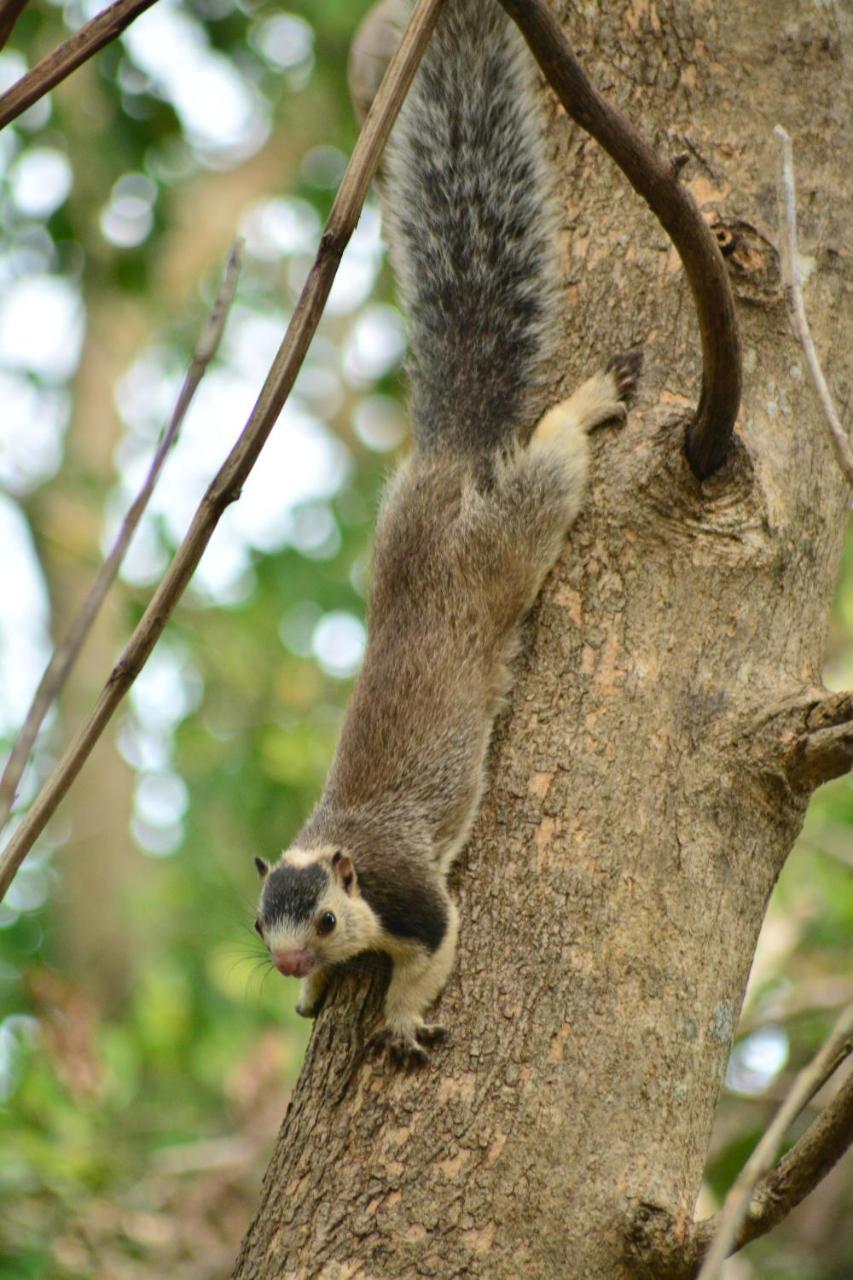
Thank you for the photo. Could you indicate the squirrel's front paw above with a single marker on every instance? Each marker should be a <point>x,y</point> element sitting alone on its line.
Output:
<point>312,994</point>
<point>307,1008</point>
<point>402,1044</point>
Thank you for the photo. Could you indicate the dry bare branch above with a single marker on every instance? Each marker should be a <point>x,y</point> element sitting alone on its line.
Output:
<point>797,1173</point>
<point>709,433</point>
<point>86,42</point>
<point>66,654</point>
<point>793,286</point>
<point>667,1246</point>
<point>226,486</point>
<point>728,1223</point>
<point>10,12</point>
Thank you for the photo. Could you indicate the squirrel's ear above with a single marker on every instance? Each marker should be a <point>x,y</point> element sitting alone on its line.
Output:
<point>344,869</point>
<point>263,868</point>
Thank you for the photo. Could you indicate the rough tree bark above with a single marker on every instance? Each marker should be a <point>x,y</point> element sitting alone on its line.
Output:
<point>647,781</point>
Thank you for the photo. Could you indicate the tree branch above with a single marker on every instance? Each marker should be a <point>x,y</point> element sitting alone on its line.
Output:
<point>66,654</point>
<point>666,1246</point>
<point>728,1223</point>
<point>709,433</point>
<point>86,42</point>
<point>10,12</point>
<point>226,486</point>
<point>797,1173</point>
<point>825,750</point>
<point>793,286</point>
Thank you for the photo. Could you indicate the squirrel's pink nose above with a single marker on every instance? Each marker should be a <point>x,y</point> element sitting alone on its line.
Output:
<point>296,963</point>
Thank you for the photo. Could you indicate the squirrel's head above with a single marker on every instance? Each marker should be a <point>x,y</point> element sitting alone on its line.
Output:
<point>311,911</point>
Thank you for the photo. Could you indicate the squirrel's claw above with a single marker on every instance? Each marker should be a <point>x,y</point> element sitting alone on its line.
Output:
<point>432,1033</point>
<point>626,367</point>
<point>403,1047</point>
<point>403,1050</point>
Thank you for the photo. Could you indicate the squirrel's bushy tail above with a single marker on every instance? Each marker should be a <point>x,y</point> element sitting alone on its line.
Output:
<point>472,221</point>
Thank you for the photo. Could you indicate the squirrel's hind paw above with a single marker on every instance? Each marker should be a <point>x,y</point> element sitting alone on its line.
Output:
<point>626,368</point>
<point>602,398</point>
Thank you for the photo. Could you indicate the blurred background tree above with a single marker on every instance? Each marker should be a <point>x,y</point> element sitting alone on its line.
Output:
<point>145,1057</point>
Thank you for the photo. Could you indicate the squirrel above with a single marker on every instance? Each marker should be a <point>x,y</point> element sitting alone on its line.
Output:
<point>469,527</point>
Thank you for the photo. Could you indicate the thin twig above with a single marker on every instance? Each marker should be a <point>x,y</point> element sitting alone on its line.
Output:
<point>709,433</point>
<point>664,1246</point>
<point>797,1174</point>
<point>728,1222</point>
<point>66,653</point>
<point>793,286</point>
<point>667,1246</point>
<point>10,12</point>
<point>805,998</point>
<point>47,74</point>
<point>226,486</point>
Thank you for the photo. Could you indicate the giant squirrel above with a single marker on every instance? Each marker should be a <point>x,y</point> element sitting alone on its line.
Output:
<point>470,525</point>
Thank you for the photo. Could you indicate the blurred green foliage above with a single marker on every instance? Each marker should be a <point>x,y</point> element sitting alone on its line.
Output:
<point>134,1137</point>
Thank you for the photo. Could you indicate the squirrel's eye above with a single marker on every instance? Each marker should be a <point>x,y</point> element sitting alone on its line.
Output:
<point>326,923</point>
<point>258,930</point>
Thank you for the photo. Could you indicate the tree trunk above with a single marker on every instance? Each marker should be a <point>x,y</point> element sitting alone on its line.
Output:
<point>645,790</point>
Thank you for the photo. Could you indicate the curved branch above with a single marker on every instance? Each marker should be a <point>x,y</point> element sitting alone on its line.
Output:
<point>226,486</point>
<point>709,433</point>
<point>65,655</point>
<point>76,50</point>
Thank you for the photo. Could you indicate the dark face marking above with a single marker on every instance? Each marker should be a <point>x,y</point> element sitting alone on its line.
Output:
<point>293,893</point>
